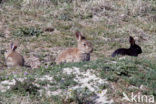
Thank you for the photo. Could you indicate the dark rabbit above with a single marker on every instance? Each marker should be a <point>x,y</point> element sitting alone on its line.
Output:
<point>134,49</point>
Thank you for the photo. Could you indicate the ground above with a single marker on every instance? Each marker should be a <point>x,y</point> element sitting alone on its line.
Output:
<point>44,28</point>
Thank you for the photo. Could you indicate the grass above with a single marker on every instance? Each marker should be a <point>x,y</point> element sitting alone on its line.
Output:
<point>127,72</point>
<point>107,24</point>
<point>27,31</point>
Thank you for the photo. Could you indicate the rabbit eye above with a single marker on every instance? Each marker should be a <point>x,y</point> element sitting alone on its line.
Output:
<point>84,44</point>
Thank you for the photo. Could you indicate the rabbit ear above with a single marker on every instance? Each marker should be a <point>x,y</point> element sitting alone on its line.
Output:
<point>79,37</point>
<point>13,47</point>
<point>131,40</point>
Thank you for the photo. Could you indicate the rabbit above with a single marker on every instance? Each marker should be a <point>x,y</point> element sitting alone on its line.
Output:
<point>134,49</point>
<point>12,57</point>
<point>79,54</point>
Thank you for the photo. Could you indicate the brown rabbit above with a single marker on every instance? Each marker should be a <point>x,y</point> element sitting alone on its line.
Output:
<point>81,53</point>
<point>13,58</point>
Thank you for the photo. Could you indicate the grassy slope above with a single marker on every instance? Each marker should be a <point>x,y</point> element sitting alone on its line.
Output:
<point>107,24</point>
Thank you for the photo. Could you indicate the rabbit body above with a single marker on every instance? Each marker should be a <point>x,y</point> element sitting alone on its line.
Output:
<point>79,54</point>
<point>134,49</point>
<point>13,58</point>
<point>73,55</point>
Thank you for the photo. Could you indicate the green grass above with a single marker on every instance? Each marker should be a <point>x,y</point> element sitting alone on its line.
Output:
<point>27,32</point>
<point>134,72</point>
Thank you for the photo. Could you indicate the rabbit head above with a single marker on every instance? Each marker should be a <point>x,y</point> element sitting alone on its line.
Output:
<point>135,49</point>
<point>12,57</point>
<point>12,49</point>
<point>84,46</point>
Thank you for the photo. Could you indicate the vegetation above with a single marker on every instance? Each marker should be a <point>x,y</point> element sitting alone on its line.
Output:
<point>107,24</point>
